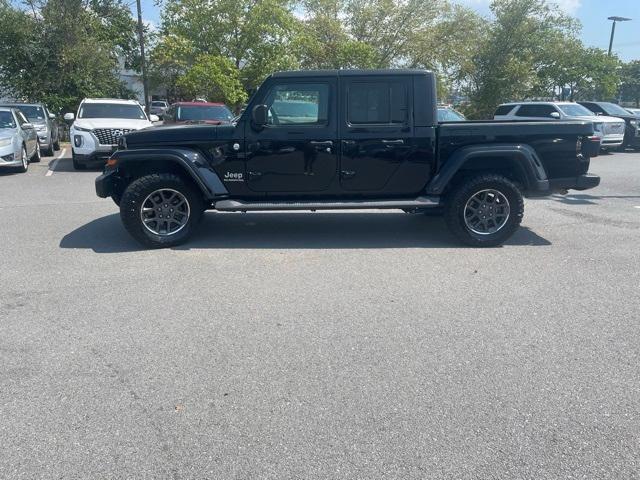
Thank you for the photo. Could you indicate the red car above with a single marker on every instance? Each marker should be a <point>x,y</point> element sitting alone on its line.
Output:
<point>198,112</point>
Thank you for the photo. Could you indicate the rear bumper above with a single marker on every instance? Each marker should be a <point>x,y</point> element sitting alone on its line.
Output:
<point>581,182</point>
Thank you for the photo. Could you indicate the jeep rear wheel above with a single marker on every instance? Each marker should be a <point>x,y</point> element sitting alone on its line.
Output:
<point>160,210</point>
<point>485,210</point>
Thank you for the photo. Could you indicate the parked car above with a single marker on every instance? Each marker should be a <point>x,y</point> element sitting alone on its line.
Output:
<point>634,111</point>
<point>448,114</point>
<point>609,129</point>
<point>18,141</point>
<point>632,130</point>
<point>43,121</point>
<point>198,112</point>
<point>158,107</point>
<point>98,126</point>
<point>374,142</point>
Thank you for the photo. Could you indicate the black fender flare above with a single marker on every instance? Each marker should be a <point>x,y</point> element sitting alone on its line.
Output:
<point>190,161</point>
<point>521,156</point>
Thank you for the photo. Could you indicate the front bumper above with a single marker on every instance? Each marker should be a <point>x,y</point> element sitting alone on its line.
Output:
<point>107,184</point>
<point>9,158</point>
<point>98,158</point>
<point>581,182</point>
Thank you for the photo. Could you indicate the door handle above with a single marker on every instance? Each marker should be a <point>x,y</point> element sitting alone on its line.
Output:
<point>323,143</point>
<point>255,174</point>
<point>393,142</point>
<point>348,173</point>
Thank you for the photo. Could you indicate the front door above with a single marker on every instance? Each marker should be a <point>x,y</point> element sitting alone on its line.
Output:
<point>297,151</point>
<point>377,134</point>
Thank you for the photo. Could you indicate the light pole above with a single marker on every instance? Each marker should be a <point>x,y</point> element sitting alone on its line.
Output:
<point>145,85</point>
<point>613,28</point>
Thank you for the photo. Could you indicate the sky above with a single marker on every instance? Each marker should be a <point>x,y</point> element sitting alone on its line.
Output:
<point>593,14</point>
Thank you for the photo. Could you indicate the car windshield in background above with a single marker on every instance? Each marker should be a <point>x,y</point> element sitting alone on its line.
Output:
<point>111,110</point>
<point>204,112</point>
<point>449,115</point>
<point>634,111</point>
<point>575,110</point>
<point>32,112</point>
<point>158,104</point>
<point>6,120</point>
<point>613,109</point>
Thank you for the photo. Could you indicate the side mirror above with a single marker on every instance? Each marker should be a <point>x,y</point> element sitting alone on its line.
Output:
<point>68,117</point>
<point>259,115</point>
<point>27,126</point>
<point>52,116</point>
<point>555,115</point>
<point>154,118</point>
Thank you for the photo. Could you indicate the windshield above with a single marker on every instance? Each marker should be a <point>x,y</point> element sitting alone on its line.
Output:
<point>204,112</point>
<point>158,104</point>
<point>111,110</point>
<point>449,115</point>
<point>634,111</point>
<point>613,109</point>
<point>6,120</point>
<point>575,110</point>
<point>32,112</point>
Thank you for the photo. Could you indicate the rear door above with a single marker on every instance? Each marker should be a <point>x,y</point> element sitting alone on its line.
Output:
<point>296,152</point>
<point>376,130</point>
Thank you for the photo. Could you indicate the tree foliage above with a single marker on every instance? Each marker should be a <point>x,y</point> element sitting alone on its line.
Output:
<point>215,78</point>
<point>60,51</point>
<point>630,87</point>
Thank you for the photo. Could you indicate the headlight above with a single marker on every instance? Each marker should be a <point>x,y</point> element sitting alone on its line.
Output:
<point>634,123</point>
<point>41,128</point>
<point>5,142</point>
<point>80,129</point>
<point>597,127</point>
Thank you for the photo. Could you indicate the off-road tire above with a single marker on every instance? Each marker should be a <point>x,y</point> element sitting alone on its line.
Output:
<point>132,202</point>
<point>456,201</point>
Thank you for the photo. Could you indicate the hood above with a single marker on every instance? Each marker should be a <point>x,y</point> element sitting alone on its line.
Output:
<point>93,123</point>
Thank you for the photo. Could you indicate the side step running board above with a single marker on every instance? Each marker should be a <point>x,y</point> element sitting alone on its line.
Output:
<point>245,206</point>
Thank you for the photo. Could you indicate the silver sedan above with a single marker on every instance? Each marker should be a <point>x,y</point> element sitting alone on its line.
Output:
<point>18,141</point>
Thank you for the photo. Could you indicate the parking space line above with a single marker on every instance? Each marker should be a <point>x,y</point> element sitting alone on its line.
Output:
<point>55,162</point>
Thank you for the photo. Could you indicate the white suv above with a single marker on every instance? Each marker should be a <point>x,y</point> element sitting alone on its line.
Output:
<point>98,126</point>
<point>609,129</point>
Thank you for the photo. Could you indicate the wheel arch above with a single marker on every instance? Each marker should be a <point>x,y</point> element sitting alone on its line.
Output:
<point>187,163</point>
<point>518,162</point>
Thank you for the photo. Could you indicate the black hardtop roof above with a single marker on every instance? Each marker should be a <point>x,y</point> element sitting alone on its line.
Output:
<point>350,73</point>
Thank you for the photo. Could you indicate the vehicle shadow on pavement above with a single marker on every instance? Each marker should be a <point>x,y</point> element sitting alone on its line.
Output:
<point>344,230</point>
<point>586,199</point>
<point>66,165</point>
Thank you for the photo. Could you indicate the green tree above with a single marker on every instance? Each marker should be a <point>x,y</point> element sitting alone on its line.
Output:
<point>66,50</point>
<point>255,35</point>
<point>630,87</point>
<point>215,78</point>
<point>519,42</point>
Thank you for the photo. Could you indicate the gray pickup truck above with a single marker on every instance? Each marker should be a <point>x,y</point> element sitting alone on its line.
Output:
<point>345,139</point>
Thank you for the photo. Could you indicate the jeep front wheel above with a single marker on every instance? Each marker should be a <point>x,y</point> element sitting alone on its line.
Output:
<point>485,210</point>
<point>160,210</point>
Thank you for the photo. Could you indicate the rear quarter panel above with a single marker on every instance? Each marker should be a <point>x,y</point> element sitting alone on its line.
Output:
<point>554,142</point>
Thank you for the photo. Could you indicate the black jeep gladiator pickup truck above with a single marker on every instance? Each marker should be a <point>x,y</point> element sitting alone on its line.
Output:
<point>345,139</point>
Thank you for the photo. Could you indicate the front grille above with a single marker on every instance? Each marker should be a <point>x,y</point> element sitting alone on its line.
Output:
<point>612,128</point>
<point>109,136</point>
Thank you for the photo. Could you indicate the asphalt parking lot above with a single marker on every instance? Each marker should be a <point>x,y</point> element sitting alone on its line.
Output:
<point>340,345</point>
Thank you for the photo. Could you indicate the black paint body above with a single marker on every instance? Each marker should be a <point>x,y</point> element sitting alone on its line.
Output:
<point>339,160</point>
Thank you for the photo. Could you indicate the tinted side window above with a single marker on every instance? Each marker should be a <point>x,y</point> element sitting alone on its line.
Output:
<point>298,104</point>
<point>503,109</point>
<point>377,103</point>
<point>535,111</point>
